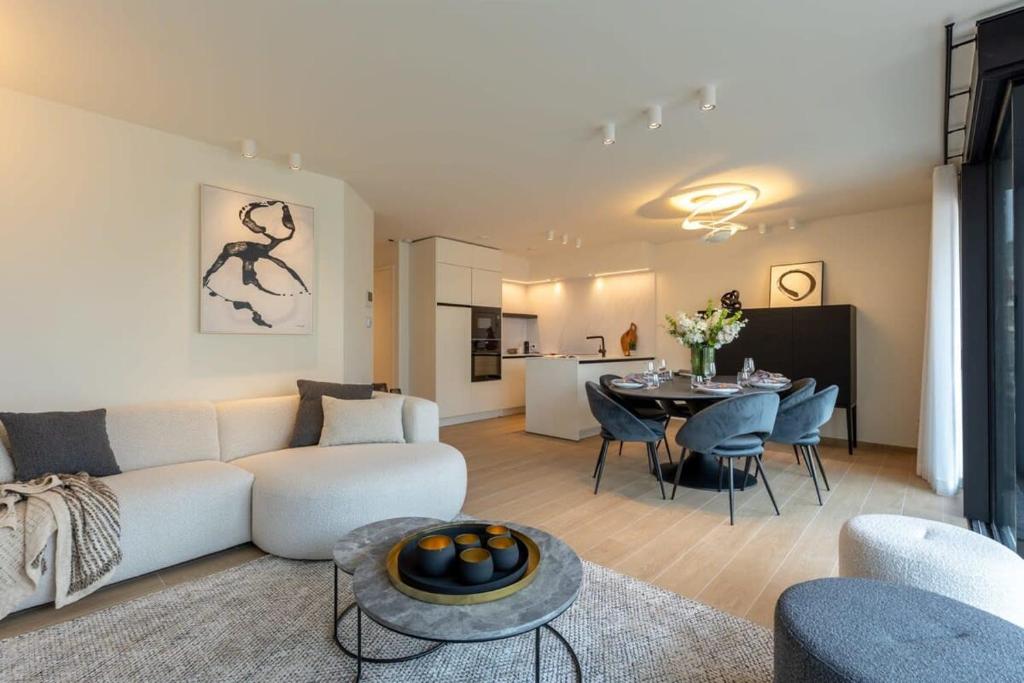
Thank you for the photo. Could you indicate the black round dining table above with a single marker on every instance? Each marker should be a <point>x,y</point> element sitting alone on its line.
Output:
<point>700,471</point>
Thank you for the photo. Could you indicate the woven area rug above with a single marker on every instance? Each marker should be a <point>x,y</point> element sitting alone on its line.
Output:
<point>269,620</point>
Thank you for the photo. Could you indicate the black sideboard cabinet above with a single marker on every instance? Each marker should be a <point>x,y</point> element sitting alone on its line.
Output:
<point>806,341</point>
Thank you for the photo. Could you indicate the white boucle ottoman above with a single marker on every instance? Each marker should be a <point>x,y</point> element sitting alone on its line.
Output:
<point>938,557</point>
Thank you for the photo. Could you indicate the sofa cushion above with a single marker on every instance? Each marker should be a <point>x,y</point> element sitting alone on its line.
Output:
<point>255,425</point>
<point>6,462</point>
<point>172,514</point>
<point>376,420</point>
<point>59,443</point>
<point>156,434</point>
<point>309,419</point>
<point>305,499</point>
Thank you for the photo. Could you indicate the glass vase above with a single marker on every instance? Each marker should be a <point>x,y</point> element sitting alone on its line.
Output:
<point>702,363</point>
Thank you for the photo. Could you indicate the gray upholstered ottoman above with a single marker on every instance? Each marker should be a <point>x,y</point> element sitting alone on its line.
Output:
<point>864,630</point>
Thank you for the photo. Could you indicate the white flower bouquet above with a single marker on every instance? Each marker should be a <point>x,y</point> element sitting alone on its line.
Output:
<point>713,328</point>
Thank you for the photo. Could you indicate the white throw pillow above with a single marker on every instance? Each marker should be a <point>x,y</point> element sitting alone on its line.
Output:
<point>374,420</point>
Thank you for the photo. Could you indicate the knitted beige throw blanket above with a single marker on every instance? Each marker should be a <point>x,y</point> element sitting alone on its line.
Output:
<point>84,515</point>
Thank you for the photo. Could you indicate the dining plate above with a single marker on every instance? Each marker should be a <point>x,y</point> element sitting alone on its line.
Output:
<point>718,388</point>
<point>624,384</point>
<point>769,384</point>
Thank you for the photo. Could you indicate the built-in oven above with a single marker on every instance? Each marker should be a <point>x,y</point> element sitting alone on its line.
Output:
<point>485,344</point>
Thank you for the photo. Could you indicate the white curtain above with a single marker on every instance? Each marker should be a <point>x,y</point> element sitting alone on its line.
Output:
<point>940,436</point>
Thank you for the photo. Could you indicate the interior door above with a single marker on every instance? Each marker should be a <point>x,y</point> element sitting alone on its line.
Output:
<point>384,325</point>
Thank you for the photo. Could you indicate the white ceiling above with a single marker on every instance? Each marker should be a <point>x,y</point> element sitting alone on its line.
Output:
<point>467,118</point>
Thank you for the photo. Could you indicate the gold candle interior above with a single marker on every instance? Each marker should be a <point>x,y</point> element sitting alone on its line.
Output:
<point>501,542</point>
<point>466,539</point>
<point>474,555</point>
<point>497,529</point>
<point>437,542</point>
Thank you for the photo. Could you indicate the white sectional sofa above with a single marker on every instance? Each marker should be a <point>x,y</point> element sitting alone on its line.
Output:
<point>198,477</point>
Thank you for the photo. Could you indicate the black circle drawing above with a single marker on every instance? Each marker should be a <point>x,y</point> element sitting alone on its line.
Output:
<point>250,253</point>
<point>793,294</point>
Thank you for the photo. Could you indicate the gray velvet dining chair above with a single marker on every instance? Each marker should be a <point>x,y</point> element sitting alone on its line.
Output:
<point>618,423</point>
<point>799,425</point>
<point>645,409</point>
<point>734,428</point>
<point>798,391</point>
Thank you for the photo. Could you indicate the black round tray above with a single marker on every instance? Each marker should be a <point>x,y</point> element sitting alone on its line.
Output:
<point>449,583</point>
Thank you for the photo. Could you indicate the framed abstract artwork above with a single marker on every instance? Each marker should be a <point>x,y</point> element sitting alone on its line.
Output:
<point>796,284</point>
<point>257,264</point>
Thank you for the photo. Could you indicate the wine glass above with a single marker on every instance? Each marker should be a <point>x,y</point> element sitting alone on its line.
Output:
<point>748,367</point>
<point>710,371</point>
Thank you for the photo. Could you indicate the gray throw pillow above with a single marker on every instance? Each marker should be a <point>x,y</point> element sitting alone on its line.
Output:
<point>309,421</point>
<point>59,443</point>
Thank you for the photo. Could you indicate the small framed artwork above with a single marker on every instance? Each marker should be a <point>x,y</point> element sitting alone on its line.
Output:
<point>797,284</point>
<point>257,259</point>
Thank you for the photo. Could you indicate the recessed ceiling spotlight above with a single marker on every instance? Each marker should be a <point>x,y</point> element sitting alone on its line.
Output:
<point>654,117</point>
<point>579,242</point>
<point>793,225</point>
<point>762,228</point>
<point>551,235</point>
<point>609,133</point>
<point>565,238</point>
<point>248,148</point>
<point>295,161</point>
<point>708,99</point>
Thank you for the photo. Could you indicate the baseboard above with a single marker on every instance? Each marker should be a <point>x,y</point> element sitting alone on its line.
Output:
<point>868,445</point>
<point>476,417</point>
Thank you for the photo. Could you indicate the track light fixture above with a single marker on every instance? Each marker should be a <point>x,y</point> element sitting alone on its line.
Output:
<point>579,242</point>
<point>565,239</point>
<point>248,148</point>
<point>708,99</point>
<point>762,228</point>
<point>654,117</point>
<point>295,161</point>
<point>551,235</point>
<point>793,225</point>
<point>609,133</point>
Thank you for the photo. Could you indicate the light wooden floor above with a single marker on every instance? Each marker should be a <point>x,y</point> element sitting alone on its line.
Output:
<point>685,545</point>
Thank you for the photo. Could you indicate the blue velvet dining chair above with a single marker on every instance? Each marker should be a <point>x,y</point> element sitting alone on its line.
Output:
<point>798,391</point>
<point>618,423</point>
<point>734,428</point>
<point>799,425</point>
<point>645,409</point>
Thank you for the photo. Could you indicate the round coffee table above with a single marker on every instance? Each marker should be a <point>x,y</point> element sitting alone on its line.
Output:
<point>352,550</point>
<point>553,590</point>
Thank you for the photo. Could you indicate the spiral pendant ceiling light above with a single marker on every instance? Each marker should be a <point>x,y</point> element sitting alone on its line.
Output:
<point>713,208</point>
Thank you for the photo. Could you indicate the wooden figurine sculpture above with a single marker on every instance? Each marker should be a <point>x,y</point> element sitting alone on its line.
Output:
<point>628,340</point>
<point>731,301</point>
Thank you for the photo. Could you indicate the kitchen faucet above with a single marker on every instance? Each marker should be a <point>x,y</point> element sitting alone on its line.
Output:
<point>601,350</point>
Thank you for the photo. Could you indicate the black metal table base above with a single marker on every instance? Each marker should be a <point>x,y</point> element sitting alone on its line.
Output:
<point>701,472</point>
<point>435,645</point>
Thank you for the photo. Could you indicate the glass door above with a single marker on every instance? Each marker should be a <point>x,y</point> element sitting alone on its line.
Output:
<point>1007,299</point>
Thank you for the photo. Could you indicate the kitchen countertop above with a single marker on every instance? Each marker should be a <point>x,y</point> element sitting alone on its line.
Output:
<point>522,355</point>
<point>591,358</point>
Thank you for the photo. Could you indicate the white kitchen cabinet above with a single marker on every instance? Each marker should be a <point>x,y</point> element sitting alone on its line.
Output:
<point>486,288</point>
<point>458,253</point>
<point>453,361</point>
<point>487,259</point>
<point>455,284</point>
<point>513,380</point>
<point>487,396</point>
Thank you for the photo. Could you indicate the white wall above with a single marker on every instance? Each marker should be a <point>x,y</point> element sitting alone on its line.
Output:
<point>569,311</point>
<point>876,261</point>
<point>99,267</point>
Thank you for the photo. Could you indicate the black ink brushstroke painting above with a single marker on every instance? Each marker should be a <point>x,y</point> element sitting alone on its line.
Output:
<point>257,264</point>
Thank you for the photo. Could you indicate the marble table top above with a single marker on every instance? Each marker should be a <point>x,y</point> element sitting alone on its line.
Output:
<point>553,590</point>
<point>356,546</point>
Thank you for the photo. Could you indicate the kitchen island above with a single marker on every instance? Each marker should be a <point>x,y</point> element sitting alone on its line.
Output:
<point>556,401</point>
